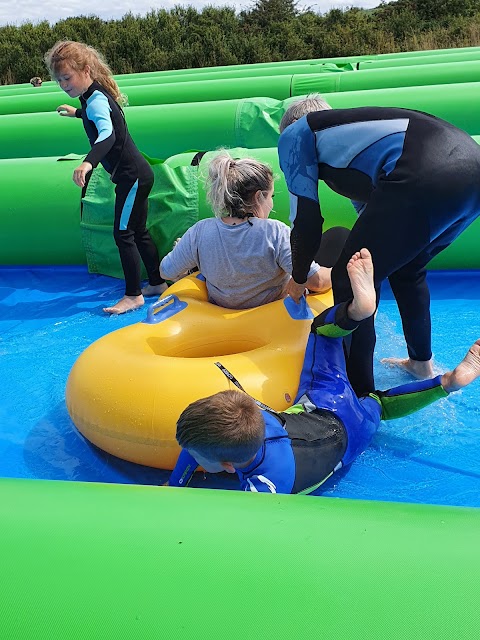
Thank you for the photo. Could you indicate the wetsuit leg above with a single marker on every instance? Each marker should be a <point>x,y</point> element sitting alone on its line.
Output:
<point>410,288</point>
<point>385,228</point>
<point>411,292</point>
<point>401,225</point>
<point>131,236</point>
<point>324,383</point>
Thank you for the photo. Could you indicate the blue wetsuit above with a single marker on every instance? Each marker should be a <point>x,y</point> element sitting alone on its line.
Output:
<point>113,147</point>
<point>328,427</point>
<point>414,180</point>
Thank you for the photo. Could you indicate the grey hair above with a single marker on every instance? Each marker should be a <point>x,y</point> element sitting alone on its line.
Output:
<point>300,108</point>
<point>232,183</point>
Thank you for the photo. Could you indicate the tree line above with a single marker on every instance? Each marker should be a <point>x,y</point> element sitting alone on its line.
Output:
<point>271,30</point>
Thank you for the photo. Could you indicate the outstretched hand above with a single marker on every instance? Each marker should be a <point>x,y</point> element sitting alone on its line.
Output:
<point>67,110</point>
<point>295,290</point>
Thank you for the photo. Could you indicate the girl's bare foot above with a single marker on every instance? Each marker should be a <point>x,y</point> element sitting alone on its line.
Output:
<point>127,303</point>
<point>466,372</point>
<point>417,368</point>
<point>154,290</point>
<point>360,272</point>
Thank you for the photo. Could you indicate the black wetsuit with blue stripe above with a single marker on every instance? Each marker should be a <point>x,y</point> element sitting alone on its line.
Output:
<point>414,180</point>
<point>328,427</point>
<point>113,147</point>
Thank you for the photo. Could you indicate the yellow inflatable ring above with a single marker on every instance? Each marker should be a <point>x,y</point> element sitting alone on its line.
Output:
<point>126,390</point>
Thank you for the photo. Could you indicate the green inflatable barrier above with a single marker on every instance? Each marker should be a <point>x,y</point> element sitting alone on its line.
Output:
<point>403,58</point>
<point>40,215</point>
<point>96,561</point>
<point>452,102</point>
<point>390,77</point>
<point>278,87</point>
<point>441,56</point>
<point>178,200</point>
<point>40,218</point>
<point>128,81</point>
<point>168,93</point>
<point>392,59</point>
<point>325,78</point>
<point>160,131</point>
<point>164,130</point>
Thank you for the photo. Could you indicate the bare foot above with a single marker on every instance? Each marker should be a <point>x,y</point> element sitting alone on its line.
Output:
<point>360,272</point>
<point>466,372</point>
<point>154,290</point>
<point>417,368</point>
<point>127,303</point>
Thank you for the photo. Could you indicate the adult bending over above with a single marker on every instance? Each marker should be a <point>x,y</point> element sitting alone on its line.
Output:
<point>415,182</point>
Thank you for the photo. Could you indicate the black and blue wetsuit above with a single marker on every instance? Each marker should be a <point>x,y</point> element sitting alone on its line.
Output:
<point>113,147</point>
<point>328,426</point>
<point>414,180</point>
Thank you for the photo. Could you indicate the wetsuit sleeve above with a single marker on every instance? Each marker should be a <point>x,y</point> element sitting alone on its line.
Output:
<point>182,257</point>
<point>98,111</point>
<point>183,471</point>
<point>78,113</point>
<point>408,398</point>
<point>298,161</point>
<point>284,252</point>
<point>258,484</point>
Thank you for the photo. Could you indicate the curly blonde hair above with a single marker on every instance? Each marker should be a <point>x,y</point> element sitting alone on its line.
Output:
<point>77,55</point>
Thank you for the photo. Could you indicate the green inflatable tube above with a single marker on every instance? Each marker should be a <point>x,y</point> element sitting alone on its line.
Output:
<point>387,59</point>
<point>178,200</point>
<point>439,57</point>
<point>198,91</point>
<point>278,87</point>
<point>455,103</point>
<point>46,228</point>
<point>40,217</point>
<point>164,130</point>
<point>325,78</point>
<point>158,130</point>
<point>85,560</point>
<point>392,58</point>
<point>390,77</point>
<point>128,81</point>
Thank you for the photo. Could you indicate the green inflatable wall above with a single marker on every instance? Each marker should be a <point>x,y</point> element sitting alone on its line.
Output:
<point>279,87</point>
<point>86,561</point>
<point>41,217</point>
<point>206,74</point>
<point>390,77</point>
<point>164,130</point>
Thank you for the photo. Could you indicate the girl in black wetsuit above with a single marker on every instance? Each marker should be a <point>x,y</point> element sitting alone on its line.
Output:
<point>81,73</point>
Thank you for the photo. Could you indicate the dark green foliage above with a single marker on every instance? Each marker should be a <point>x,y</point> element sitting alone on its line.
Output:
<point>268,31</point>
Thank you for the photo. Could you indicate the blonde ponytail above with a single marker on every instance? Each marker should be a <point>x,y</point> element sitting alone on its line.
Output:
<point>232,184</point>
